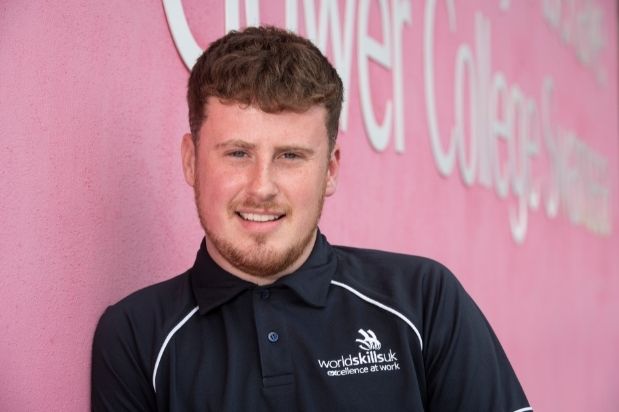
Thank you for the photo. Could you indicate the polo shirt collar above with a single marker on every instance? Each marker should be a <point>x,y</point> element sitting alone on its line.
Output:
<point>213,286</point>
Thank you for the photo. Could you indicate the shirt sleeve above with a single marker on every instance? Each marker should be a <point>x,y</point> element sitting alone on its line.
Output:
<point>466,367</point>
<point>119,381</point>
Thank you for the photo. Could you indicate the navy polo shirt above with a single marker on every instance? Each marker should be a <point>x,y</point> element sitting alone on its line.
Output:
<point>351,329</point>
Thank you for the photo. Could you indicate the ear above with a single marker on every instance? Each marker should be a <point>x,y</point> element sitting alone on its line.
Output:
<point>188,157</point>
<point>333,169</point>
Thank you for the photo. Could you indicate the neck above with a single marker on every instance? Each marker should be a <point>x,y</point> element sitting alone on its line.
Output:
<point>260,280</point>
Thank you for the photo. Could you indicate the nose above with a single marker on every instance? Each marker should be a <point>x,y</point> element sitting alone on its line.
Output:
<point>262,185</point>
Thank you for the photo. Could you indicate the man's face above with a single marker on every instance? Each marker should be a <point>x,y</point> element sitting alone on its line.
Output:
<point>260,180</point>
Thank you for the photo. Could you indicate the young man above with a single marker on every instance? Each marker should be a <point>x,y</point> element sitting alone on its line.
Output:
<point>271,317</point>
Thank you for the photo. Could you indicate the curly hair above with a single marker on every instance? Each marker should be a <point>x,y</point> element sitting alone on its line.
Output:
<point>269,68</point>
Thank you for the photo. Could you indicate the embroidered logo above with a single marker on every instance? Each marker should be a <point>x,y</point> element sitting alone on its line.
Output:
<point>369,341</point>
<point>370,360</point>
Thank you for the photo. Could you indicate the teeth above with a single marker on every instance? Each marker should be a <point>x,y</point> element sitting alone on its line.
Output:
<point>254,217</point>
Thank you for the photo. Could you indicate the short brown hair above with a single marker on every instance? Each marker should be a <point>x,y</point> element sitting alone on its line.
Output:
<point>267,67</point>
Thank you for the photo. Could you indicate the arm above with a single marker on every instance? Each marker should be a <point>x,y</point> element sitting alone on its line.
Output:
<point>119,381</point>
<point>467,369</point>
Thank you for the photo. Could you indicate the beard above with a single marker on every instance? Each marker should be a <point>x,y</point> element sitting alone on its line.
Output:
<point>259,258</point>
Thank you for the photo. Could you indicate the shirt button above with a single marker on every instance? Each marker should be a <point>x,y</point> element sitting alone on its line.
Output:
<point>265,294</point>
<point>273,337</point>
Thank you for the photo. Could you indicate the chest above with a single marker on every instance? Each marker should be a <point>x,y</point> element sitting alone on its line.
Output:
<point>267,350</point>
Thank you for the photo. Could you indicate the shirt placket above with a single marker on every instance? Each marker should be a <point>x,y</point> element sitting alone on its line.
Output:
<point>273,341</point>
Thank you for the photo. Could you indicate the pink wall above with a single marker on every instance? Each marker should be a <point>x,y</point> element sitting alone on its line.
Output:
<point>94,205</point>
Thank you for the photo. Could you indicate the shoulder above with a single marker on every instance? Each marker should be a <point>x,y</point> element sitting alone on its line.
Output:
<point>419,287</point>
<point>454,334</point>
<point>138,321</point>
<point>127,340</point>
<point>381,269</point>
<point>163,297</point>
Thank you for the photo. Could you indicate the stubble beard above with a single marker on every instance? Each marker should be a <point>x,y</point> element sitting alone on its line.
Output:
<point>259,259</point>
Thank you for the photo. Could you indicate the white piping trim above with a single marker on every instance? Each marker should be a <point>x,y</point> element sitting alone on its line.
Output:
<point>167,340</point>
<point>385,307</point>
<point>528,408</point>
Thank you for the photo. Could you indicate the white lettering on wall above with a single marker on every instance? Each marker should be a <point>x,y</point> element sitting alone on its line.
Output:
<point>389,55</point>
<point>233,14</point>
<point>370,49</point>
<point>329,22</point>
<point>580,179</point>
<point>499,138</point>
<point>579,24</point>
<point>186,44</point>
<point>329,30</point>
<point>504,119</point>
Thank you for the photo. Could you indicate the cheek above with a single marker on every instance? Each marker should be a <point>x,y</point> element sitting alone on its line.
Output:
<point>309,189</point>
<point>217,189</point>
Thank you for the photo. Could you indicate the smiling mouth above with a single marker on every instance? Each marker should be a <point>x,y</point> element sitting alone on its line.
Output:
<point>259,217</point>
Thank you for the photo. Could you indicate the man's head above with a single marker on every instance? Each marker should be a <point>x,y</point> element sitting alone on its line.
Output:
<point>269,68</point>
<point>264,106</point>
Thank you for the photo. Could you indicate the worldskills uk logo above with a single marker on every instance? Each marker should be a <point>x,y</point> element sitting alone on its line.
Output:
<point>369,360</point>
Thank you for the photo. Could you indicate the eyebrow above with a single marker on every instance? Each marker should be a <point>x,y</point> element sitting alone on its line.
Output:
<point>242,144</point>
<point>235,143</point>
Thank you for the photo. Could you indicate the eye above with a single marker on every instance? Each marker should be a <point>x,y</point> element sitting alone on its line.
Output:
<point>237,154</point>
<point>291,155</point>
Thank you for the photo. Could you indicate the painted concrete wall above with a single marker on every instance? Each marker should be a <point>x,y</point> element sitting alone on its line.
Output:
<point>524,211</point>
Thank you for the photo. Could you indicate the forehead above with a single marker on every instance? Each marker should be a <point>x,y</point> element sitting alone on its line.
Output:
<point>232,120</point>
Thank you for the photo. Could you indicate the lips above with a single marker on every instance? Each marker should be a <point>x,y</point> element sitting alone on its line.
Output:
<point>260,217</point>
